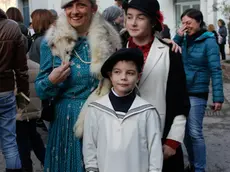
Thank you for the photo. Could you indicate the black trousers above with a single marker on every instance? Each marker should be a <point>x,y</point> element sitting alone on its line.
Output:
<point>174,163</point>
<point>222,51</point>
<point>29,139</point>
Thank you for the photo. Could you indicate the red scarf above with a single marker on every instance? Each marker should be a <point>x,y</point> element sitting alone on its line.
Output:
<point>144,48</point>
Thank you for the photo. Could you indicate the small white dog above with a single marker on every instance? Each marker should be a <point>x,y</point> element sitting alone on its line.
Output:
<point>63,39</point>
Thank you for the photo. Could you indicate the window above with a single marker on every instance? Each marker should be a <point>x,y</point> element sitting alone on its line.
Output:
<point>26,12</point>
<point>182,5</point>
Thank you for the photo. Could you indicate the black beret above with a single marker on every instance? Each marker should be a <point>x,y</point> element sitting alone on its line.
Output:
<point>149,7</point>
<point>127,54</point>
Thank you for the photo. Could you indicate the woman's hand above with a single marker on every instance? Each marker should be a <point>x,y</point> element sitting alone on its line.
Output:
<point>217,106</point>
<point>181,31</point>
<point>60,73</point>
<point>176,48</point>
<point>168,151</point>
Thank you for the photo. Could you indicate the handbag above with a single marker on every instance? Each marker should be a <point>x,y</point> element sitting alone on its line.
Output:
<point>27,109</point>
<point>47,112</point>
<point>220,39</point>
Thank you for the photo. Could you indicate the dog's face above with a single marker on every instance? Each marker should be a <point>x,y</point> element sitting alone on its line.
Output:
<point>61,49</point>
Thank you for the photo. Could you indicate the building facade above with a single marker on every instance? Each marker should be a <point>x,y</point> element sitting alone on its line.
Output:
<point>172,9</point>
<point>5,4</point>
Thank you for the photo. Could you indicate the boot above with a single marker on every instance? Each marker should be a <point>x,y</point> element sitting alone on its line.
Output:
<point>189,168</point>
<point>13,170</point>
<point>27,169</point>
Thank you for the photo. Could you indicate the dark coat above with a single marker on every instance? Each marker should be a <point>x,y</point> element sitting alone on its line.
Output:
<point>223,32</point>
<point>34,52</point>
<point>13,61</point>
<point>216,35</point>
<point>27,37</point>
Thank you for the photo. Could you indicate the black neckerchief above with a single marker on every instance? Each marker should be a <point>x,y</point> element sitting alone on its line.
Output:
<point>191,39</point>
<point>122,104</point>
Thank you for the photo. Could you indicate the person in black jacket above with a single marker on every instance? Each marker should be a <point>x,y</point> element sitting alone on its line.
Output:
<point>27,136</point>
<point>114,15</point>
<point>223,33</point>
<point>14,13</point>
<point>42,19</point>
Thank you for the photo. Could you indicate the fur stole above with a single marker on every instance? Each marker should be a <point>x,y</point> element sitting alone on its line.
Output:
<point>103,40</point>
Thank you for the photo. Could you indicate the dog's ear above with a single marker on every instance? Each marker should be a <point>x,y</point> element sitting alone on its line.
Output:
<point>52,45</point>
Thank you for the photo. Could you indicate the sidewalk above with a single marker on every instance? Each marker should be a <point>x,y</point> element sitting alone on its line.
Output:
<point>217,135</point>
<point>216,131</point>
<point>216,127</point>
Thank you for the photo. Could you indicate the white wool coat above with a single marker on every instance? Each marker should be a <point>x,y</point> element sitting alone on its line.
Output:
<point>103,40</point>
<point>153,87</point>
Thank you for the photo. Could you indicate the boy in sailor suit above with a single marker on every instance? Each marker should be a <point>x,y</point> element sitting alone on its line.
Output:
<point>121,130</point>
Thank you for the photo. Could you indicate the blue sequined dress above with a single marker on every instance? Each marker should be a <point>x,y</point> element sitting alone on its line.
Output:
<point>64,150</point>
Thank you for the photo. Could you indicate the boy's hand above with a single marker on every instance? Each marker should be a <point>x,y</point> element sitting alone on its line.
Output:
<point>168,151</point>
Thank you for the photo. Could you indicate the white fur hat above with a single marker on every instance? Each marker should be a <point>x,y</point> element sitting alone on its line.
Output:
<point>65,2</point>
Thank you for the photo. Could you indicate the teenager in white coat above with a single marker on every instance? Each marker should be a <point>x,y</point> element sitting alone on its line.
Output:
<point>163,82</point>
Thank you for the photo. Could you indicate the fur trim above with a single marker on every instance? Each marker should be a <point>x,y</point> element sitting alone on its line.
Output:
<point>62,37</point>
<point>103,40</point>
<point>103,89</point>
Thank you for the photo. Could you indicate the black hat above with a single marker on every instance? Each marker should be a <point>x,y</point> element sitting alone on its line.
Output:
<point>127,54</point>
<point>149,7</point>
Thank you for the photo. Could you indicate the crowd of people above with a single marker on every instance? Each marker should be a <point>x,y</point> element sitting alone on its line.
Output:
<point>124,95</point>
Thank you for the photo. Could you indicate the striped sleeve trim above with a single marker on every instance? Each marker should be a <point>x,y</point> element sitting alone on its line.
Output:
<point>92,169</point>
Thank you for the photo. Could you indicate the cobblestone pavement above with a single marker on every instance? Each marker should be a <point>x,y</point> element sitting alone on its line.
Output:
<point>216,131</point>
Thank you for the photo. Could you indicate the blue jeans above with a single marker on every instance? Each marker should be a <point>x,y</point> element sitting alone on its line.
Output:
<point>194,139</point>
<point>8,130</point>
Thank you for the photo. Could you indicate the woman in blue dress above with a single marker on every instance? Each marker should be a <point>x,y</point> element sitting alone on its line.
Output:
<point>72,54</point>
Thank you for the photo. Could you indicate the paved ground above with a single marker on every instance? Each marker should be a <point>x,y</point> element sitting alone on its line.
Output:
<point>217,136</point>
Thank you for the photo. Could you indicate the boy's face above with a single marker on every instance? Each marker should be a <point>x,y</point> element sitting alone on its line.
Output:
<point>124,77</point>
